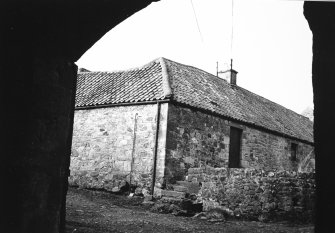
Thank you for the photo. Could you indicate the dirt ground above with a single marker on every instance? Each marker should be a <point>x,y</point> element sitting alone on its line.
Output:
<point>100,212</point>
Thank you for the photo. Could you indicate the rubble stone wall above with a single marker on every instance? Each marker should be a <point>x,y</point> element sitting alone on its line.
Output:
<point>256,194</point>
<point>104,152</point>
<point>195,139</point>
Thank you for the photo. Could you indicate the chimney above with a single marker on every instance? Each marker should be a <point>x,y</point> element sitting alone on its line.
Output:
<point>230,76</point>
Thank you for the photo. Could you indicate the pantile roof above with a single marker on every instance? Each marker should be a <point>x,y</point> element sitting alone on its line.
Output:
<point>163,79</point>
<point>133,85</point>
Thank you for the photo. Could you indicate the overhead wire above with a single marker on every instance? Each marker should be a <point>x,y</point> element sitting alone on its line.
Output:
<point>196,20</point>
<point>232,34</point>
<point>232,29</point>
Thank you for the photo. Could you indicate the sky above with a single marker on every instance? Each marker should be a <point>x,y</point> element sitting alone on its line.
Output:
<point>271,46</point>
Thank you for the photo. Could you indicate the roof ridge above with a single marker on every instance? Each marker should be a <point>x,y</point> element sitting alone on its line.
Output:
<point>165,78</point>
<point>197,68</point>
<point>128,69</point>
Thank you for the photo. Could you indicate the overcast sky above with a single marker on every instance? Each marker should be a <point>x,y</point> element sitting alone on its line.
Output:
<point>272,44</point>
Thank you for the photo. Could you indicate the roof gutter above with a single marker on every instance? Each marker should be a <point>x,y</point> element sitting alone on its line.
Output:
<point>166,100</point>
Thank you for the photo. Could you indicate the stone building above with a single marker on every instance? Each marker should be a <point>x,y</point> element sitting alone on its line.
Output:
<point>151,125</point>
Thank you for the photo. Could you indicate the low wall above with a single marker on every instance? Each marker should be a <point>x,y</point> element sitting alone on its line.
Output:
<point>257,195</point>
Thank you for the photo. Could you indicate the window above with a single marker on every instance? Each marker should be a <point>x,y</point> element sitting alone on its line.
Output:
<point>294,147</point>
<point>235,148</point>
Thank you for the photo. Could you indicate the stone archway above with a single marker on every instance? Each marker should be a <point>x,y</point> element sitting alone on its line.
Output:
<point>39,43</point>
<point>321,19</point>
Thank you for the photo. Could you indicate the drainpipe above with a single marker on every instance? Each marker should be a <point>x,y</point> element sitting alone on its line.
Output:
<point>156,146</point>
<point>133,150</point>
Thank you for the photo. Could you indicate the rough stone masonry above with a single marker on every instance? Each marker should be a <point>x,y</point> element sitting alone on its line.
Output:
<point>257,195</point>
<point>114,145</point>
<point>196,139</point>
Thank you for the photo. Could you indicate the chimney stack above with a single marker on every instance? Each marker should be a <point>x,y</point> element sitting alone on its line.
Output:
<point>229,75</point>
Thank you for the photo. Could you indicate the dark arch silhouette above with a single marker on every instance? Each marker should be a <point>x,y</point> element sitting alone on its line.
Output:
<point>39,42</point>
<point>321,19</point>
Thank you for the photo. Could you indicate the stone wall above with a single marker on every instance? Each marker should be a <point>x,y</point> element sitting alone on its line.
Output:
<point>270,152</point>
<point>104,152</point>
<point>255,194</point>
<point>195,139</point>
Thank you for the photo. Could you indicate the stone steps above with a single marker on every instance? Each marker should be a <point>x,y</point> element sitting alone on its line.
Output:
<point>192,187</point>
<point>181,189</point>
<point>174,194</point>
<point>180,196</point>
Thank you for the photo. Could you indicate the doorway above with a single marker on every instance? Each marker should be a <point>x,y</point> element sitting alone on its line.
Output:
<point>235,148</point>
